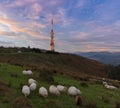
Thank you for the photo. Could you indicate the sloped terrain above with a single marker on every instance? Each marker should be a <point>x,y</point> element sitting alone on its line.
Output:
<point>94,93</point>
<point>68,64</point>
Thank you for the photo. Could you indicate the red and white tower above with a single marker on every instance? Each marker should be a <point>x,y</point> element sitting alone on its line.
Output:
<point>52,37</point>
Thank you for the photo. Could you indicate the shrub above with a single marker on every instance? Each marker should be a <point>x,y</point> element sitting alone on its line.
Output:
<point>84,84</point>
<point>14,75</point>
<point>105,99</point>
<point>5,99</point>
<point>9,84</point>
<point>91,104</point>
<point>53,104</point>
<point>21,102</point>
<point>117,104</point>
<point>46,76</point>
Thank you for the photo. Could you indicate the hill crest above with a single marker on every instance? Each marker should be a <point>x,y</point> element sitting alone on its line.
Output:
<point>67,64</point>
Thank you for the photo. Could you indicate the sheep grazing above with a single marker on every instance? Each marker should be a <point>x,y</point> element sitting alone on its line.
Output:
<point>28,72</point>
<point>61,88</point>
<point>30,81</point>
<point>26,90</point>
<point>104,82</point>
<point>24,72</point>
<point>110,87</point>
<point>54,90</point>
<point>73,91</point>
<point>78,100</point>
<point>43,91</point>
<point>33,86</point>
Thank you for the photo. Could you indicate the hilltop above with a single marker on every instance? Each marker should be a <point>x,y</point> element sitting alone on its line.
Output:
<point>62,63</point>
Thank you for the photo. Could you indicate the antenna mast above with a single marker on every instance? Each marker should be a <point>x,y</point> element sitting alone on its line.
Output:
<point>52,37</point>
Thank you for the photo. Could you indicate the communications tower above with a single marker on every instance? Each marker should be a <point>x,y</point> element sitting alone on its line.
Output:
<point>52,37</point>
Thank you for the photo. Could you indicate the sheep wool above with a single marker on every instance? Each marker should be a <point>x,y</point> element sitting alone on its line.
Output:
<point>28,72</point>
<point>61,88</point>
<point>30,81</point>
<point>110,87</point>
<point>26,90</point>
<point>33,86</point>
<point>54,90</point>
<point>43,91</point>
<point>73,91</point>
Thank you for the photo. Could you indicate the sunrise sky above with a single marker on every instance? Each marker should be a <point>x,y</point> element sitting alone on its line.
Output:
<point>79,25</point>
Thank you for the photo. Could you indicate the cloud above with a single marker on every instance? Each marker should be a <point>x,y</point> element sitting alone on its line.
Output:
<point>7,44</point>
<point>78,25</point>
<point>4,33</point>
<point>17,28</point>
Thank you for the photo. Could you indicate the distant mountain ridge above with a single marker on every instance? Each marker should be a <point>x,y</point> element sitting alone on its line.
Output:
<point>112,58</point>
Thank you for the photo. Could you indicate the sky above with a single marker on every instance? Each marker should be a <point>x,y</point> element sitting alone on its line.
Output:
<point>79,25</point>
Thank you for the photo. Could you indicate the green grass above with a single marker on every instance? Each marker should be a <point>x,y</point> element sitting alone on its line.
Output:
<point>13,76</point>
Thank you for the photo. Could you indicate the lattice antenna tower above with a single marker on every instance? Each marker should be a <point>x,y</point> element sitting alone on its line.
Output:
<point>52,46</point>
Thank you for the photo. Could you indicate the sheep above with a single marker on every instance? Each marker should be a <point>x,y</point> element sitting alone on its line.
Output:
<point>110,87</point>
<point>28,72</point>
<point>54,90</point>
<point>61,88</point>
<point>73,91</point>
<point>78,100</point>
<point>43,91</point>
<point>24,72</point>
<point>30,81</point>
<point>104,82</point>
<point>33,86</point>
<point>26,90</point>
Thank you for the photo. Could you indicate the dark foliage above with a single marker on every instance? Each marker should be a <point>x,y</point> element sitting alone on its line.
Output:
<point>91,104</point>
<point>114,72</point>
<point>46,75</point>
<point>117,104</point>
<point>105,99</point>
<point>84,84</point>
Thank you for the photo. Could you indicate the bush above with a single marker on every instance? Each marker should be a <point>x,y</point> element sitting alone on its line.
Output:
<point>46,76</point>
<point>91,104</point>
<point>9,84</point>
<point>105,99</point>
<point>117,104</point>
<point>14,75</point>
<point>84,84</point>
<point>53,104</point>
<point>21,102</point>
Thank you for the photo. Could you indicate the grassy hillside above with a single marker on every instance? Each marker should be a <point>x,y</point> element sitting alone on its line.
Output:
<point>11,80</point>
<point>67,64</point>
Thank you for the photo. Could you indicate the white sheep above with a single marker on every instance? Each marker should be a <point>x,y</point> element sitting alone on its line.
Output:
<point>43,91</point>
<point>54,90</point>
<point>26,90</point>
<point>104,82</point>
<point>61,88</point>
<point>24,72</point>
<point>30,81</point>
<point>73,91</point>
<point>110,87</point>
<point>27,72</point>
<point>33,86</point>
